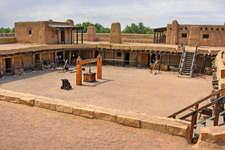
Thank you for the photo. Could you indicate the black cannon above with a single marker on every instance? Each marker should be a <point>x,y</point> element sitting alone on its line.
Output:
<point>66,84</point>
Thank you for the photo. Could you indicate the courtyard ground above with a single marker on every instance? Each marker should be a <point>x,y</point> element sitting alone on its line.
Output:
<point>126,89</point>
<point>26,128</point>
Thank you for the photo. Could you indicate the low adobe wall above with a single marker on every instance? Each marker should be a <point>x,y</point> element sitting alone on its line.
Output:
<point>6,34</point>
<point>137,120</point>
<point>212,137</point>
<point>7,40</point>
<point>131,38</point>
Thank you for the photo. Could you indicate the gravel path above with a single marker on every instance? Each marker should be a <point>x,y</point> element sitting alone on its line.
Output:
<point>126,89</point>
<point>26,128</point>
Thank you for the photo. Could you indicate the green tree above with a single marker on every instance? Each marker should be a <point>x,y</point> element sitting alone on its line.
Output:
<point>7,30</point>
<point>139,29</point>
<point>99,27</point>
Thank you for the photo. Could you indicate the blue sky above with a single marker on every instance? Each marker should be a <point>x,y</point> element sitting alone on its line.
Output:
<point>153,13</point>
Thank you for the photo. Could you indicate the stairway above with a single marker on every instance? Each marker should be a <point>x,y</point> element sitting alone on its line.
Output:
<point>186,65</point>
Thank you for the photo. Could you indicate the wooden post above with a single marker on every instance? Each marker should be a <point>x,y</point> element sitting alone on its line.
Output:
<point>137,59</point>
<point>124,58</point>
<point>204,63</point>
<point>104,56</point>
<point>150,60</point>
<point>33,61</point>
<point>193,122</point>
<point>93,55</point>
<point>55,56</point>
<point>113,57</point>
<point>77,36</point>
<point>12,65</point>
<point>79,71</point>
<point>71,36</point>
<point>160,60</point>
<point>216,120</point>
<point>154,36</point>
<point>82,36</point>
<point>22,61</point>
<point>169,62</point>
<point>99,67</point>
<point>40,61</point>
<point>49,57</point>
<point>1,67</point>
<point>157,37</point>
<point>64,55</point>
<point>57,32</point>
<point>70,57</point>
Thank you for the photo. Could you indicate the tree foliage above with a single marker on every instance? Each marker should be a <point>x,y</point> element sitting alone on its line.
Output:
<point>99,27</point>
<point>7,30</point>
<point>138,29</point>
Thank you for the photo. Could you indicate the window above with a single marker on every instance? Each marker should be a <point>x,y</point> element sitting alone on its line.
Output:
<point>206,28</point>
<point>184,35</point>
<point>205,36</point>
<point>29,32</point>
<point>118,54</point>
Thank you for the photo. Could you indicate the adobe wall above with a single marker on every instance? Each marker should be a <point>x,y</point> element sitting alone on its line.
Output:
<point>126,37</point>
<point>203,35</point>
<point>39,32</point>
<point>7,40</point>
<point>30,32</point>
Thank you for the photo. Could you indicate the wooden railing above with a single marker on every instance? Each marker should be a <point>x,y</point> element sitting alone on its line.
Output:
<point>217,102</point>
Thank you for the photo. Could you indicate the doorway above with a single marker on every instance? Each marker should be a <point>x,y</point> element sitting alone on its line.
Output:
<point>63,37</point>
<point>8,66</point>
<point>127,58</point>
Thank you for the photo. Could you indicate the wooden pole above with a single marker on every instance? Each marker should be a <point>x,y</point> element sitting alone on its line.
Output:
<point>77,36</point>
<point>40,61</point>
<point>204,63</point>
<point>49,57</point>
<point>12,64</point>
<point>150,60</point>
<point>104,56</point>
<point>33,61</point>
<point>55,56</point>
<point>124,58</point>
<point>82,36</point>
<point>168,61</point>
<point>71,36</point>
<point>154,36</point>
<point>93,54</point>
<point>22,61</point>
<point>1,67</point>
<point>70,57</point>
<point>99,67</point>
<point>137,59</point>
<point>79,71</point>
<point>193,122</point>
<point>64,55</point>
<point>160,61</point>
<point>113,57</point>
<point>57,36</point>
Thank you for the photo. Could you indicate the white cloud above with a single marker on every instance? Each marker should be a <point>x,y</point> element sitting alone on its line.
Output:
<point>153,13</point>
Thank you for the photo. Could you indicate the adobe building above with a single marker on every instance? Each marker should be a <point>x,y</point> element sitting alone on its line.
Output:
<point>191,35</point>
<point>46,32</point>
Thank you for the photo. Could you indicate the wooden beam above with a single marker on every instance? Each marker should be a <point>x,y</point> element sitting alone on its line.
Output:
<point>12,65</point>
<point>40,61</point>
<point>150,60</point>
<point>82,36</point>
<point>104,56</point>
<point>124,53</point>
<point>99,67</point>
<point>204,63</point>
<point>77,36</point>
<point>33,61</point>
<point>113,57</point>
<point>79,71</point>
<point>71,36</point>
<point>57,32</point>
<point>64,55</point>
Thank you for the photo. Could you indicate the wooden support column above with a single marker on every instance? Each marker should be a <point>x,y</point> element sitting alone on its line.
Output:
<point>160,60</point>
<point>49,57</point>
<point>82,36</point>
<point>79,53</point>
<point>64,55</point>
<point>12,65</point>
<point>137,59</point>
<point>157,37</point>
<point>40,61</point>
<point>93,54</point>
<point>193,122</point>
<point>1,67</point>
<point>99,67</point>
<point>57,32</point>
<point>113,57</point>
<point>70,55</point>
<point>150,59</point>
<point>204,63</point>
<point>33,61</point>
<point>154,37</point>
<point>71,36</point>
<point>104,56</point>
<point>216,120</point>
<point>124,53</point>
<point>169,62</point>
<point>55,57</point>
<point>77,36</point>
<point>22,61</point>
<point>79,71</point>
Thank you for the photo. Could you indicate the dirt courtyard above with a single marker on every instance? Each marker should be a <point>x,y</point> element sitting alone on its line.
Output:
<point>122,88</point>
